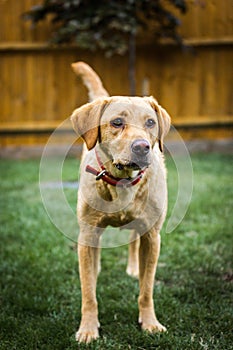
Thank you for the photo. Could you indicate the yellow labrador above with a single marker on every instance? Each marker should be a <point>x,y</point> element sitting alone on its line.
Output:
<point>123,184</point>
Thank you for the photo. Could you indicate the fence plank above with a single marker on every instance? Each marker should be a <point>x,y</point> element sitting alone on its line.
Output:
<point>39,89</point>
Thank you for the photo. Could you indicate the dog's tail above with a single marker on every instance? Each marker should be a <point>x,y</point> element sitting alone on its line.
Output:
<point>90,80</point>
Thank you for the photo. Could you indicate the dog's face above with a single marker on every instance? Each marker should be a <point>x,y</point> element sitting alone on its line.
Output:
<point>128,131</point>
<point>126,127</point>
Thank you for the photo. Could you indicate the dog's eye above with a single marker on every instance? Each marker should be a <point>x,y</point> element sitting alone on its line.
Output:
<point>150,123</point>
<point>117,123</point>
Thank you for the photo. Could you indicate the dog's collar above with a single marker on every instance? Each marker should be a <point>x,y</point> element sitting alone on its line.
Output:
<point>104,175</point>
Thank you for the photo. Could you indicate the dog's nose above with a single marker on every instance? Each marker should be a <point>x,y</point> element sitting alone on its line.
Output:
<point>140,147</point>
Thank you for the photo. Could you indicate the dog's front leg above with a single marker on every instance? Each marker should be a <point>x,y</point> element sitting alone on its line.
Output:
<point>148,258</point>
<point>88,269</point>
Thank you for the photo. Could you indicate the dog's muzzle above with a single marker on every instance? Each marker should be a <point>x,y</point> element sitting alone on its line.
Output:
<point>140,150</point>
<point>140,156</point>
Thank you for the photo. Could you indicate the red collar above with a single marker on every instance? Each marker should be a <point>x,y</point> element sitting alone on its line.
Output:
<point>104,175</point>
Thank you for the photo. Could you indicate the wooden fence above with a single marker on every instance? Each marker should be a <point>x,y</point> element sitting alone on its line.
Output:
<point>39,89</point>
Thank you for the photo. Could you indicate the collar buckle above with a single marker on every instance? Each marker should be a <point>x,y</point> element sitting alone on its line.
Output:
<point>101,174</point>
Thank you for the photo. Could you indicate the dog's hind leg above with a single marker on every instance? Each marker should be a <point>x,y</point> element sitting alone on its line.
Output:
<point>133,255</point>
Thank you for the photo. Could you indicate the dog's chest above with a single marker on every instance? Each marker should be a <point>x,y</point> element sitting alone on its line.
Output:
<point>118,219</point>
<point>125,207</point>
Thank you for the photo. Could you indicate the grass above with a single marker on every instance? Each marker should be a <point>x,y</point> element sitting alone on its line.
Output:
<point>40,292</point>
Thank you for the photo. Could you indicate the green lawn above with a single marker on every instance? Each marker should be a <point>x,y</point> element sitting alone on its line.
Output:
<point>40,291</point>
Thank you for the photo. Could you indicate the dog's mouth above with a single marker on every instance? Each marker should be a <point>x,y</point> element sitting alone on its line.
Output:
<point>132,165</point>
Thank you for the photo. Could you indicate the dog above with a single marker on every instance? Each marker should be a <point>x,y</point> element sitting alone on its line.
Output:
<point>122,184</point>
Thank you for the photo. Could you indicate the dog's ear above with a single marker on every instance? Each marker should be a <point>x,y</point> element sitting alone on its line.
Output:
<point>86,120</point>
<point>164,120</point>
<point>164,125</point>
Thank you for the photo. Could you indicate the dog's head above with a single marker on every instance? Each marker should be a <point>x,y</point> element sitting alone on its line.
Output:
<point>127,128</point>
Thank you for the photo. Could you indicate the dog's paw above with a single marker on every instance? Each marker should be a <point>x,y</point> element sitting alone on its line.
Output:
<point>153,327</point>
<point>132,271</point>
<point>149,322</point>
<point>87,333</point>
